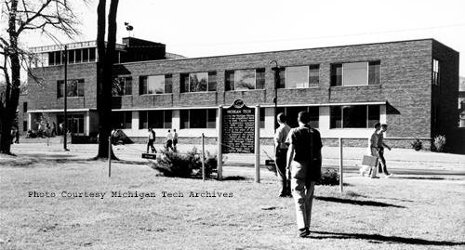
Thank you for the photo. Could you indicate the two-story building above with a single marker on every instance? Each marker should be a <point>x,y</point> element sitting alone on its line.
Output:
<point>410,85</point>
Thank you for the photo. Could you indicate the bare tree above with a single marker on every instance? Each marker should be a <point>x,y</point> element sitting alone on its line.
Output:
<point>45,16</point>
<point>104,72</point>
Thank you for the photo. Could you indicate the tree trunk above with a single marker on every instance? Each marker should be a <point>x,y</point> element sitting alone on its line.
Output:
<point>104,73</point>
<point>12,92</point>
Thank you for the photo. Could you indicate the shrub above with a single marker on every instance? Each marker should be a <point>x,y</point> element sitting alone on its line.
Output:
<point>330,177</point>
<point>439,143</point>
<point>417,145</point>
<point>185,165</point>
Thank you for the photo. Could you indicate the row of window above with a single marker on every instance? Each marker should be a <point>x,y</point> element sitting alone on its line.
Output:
<point>350,116</point>
<point>346,74</point>
<point>74,56</point>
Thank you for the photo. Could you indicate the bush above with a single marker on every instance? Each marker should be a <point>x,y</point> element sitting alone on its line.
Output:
<point>417,145</point>
<point>330,178</point>
<point>439,143</point>
<point>185,165</point>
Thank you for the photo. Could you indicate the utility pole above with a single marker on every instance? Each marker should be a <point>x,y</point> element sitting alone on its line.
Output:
<point>65,123</point>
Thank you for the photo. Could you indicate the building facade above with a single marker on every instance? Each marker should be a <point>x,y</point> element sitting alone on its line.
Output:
<point>410,85</point>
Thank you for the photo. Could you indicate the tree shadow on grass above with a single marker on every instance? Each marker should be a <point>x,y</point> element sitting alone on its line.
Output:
<point>377,238</point>
<point>357,202</point>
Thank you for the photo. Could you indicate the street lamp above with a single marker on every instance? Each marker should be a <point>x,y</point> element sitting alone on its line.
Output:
<point>277,80</point>
<point>65,124</point>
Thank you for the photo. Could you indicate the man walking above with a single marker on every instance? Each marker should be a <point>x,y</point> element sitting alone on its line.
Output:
<point>280,154</point>
<point>175,139</point>
<point>152,137</point>
<point>381,146</point>
<point>304,169</point>
<point>374,151</point>
<point>169,141</point>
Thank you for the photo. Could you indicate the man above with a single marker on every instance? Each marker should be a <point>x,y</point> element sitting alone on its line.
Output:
<point>304,169</point>
<point>374,151</point>
<point>152,137</point>
<point>381,145</point>
<point>175,139</point>
<point>280,154</point>
<point>169,141</point>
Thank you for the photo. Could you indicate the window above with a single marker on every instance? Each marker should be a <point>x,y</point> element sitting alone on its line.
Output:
<point>354,116</point>
<point>24,107</point>
<point>85,55</point>
<point>373,72</point>
<point>314,75</point>
<point>24,125</point>
<point>91,54</point>
<point>158,84</point>
<point>122,86</point>
<point>75,123</point>
<point>71,56</point>
<point>245,79</point>
<point>198,82</point>
<point>121,120</point>
<point>78,55</point>
<point>75,88</point>
<point>155,119</point>
<point>436,75</point>
<point>355,74</point>
<point>198,118</point>
<point>262,118</point>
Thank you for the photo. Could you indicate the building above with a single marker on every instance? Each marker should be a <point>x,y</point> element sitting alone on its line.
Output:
<point>410,85</point>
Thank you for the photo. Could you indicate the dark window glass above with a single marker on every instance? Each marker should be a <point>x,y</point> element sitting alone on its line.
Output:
<point>336,117</point>
<point>373,72</point>
<point>128,86</point>
<point>167,118</point>
<point>121,120</point>
<point>51,58</point>
<point>211,118</point>
<point>24,107</point>
<point>155,119</point>
<point>75,88</point>
<point>260,78</point>
<point>143,122</point>
<point>168,84</point>
<point>78,55</point>
<point>354,116</point>
<point>184,83</point>
<point>262,117</point>
<point>336,75</point>
<point>85,55</point>
<point>122,86</point>
<point>229,80</point>
<point>198,118</point>
<point>24,125</point>
<point>314,75</point>
<point>184,118</point>
<point>373,115</point>
<point>71,56</point>
<point>92,55</point>
<point>60,88</point>
<point>314,116</point>
<point>58,57</point>
<point>142,85</point>
<point>212,81</point>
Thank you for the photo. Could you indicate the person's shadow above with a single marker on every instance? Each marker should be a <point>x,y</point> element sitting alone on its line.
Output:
<point>377,238</point>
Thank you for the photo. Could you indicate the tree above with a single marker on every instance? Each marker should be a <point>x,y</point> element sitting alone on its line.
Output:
<point>104,72</point>
<point>24,16</point>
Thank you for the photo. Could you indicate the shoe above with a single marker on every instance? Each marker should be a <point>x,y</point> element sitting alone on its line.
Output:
<point>304,232</point>
<point>374,177</point>
<point>388,175</point>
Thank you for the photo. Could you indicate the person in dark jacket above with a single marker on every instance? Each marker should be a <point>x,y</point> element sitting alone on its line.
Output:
<point>304,169</point>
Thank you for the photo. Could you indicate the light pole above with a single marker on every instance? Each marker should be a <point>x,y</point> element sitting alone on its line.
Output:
<point>277,81</point>
<point>65,123</point>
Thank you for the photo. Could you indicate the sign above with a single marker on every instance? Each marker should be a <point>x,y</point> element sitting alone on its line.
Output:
<point>149,156</point>
<point>238,128</point>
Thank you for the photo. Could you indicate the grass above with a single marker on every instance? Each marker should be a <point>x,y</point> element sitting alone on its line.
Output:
<point>382,214</point>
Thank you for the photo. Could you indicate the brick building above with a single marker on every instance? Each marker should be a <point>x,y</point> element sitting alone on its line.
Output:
<point>410,85</point>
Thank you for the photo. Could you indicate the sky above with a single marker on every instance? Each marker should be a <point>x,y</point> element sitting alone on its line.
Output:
<point>208,27</point>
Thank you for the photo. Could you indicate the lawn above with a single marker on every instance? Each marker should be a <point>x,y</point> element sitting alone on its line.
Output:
<point>404,212</point>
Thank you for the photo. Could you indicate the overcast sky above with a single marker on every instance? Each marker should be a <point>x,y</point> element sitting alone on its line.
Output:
<point>215,27</point>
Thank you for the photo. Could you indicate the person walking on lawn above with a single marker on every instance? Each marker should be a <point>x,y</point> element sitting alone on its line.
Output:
<point>152,137</point>
<point>169,141</point>
<point>374,152</point>
<point>381,145</point>
<point>304,169</point>
<point>280,154</point>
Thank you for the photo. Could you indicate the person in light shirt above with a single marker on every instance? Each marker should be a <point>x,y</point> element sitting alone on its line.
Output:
<point>280,154</point>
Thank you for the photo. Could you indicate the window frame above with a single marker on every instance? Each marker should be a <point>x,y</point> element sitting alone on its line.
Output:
<point>80,88</point>
<point>187,88</point>
<point>144,90</point>
<point>340,112</point>
<point>231,85</point>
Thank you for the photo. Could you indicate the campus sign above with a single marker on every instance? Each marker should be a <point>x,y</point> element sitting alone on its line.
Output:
<point>238,131</point>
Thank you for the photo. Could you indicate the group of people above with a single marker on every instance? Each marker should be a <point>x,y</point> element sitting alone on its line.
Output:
<point>298,164</point>
<point>170,142</point>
